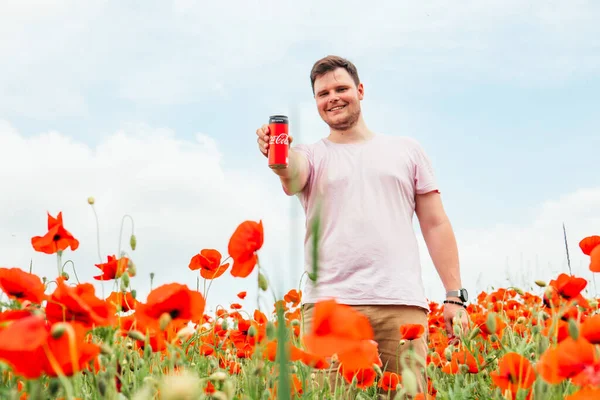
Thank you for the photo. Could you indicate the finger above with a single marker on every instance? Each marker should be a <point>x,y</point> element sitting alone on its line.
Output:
<point>262,146</point>
<point>263,132</point>
<point>449,329</point>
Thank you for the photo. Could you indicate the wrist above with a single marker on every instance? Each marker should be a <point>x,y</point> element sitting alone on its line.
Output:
<point>461,295</point>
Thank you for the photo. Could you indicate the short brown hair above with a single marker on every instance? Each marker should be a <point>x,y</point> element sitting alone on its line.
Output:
<point>330,63</point>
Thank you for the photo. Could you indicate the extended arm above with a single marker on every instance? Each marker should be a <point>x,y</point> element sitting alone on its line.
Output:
<point>294,177</point>
<point>439,237</point>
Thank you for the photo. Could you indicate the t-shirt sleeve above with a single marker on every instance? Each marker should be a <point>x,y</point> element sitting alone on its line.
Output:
<point>424,176</point>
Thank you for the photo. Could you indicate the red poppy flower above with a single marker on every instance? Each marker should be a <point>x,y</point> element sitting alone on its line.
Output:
<point>246,240</point>
<point>56,239</point>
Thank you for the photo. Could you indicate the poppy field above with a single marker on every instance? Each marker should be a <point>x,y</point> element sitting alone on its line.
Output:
<point>60,339</point>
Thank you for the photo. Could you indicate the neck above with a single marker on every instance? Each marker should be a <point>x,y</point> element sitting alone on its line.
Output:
<point>358,133</point>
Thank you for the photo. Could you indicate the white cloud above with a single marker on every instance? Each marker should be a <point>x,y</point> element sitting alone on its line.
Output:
<point>176,52</point>
<point>181,199</point>
<point>518,255</point>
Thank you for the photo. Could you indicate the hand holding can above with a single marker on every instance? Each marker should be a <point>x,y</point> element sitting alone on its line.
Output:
<point>279,142</point>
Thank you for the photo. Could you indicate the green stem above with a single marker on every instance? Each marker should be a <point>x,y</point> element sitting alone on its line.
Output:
<point>73,267</point>
<point>58,262</point>
<point>121,231</point>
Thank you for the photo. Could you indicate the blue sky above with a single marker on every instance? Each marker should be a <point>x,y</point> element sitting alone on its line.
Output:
<point>502,94</point>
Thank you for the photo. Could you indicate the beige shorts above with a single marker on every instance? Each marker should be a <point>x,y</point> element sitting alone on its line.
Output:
<point>386,321</point>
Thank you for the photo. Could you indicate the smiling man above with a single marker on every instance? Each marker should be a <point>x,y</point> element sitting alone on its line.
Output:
<point>365,187</point>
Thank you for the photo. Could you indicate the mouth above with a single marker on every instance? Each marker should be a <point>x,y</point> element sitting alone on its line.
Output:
<point>336,108</point>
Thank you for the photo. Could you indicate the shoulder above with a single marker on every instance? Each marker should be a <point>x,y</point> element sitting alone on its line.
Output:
<point>408,144</point>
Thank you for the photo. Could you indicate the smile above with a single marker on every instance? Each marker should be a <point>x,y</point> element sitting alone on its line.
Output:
<point>336,108</point>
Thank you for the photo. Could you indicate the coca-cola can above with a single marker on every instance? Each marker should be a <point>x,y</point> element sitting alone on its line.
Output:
<point>279,143</point>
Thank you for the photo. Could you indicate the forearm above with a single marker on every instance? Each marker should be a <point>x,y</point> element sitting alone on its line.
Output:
<point>443,250</point>
<point>293,177</point>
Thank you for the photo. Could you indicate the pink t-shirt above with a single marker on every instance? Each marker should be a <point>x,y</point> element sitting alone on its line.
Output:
<point>368,252</point>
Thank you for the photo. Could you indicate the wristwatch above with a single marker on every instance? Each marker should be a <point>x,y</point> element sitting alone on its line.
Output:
<point>462,294</point>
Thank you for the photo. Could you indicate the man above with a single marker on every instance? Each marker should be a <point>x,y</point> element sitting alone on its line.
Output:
<point>365,187</point>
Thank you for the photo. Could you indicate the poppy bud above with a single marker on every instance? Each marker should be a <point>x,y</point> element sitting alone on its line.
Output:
<point>377,370</point>
<point>164,321</point>
<point>133,242</point>
<point>124,282</point>
<point>573,329</point>
<point>271,332</point>
<point>474,333</point>
<point>490,322</point>
<point>58,329</point>
<point>54,387</point>
<point>262,282</point>
<point>131,268</point>
<point>224,325</point>
<point>402,342</point>
<point>252,331</point>
<point>457,330</point>
<point>448,354</point>
<point>91,200</point>
<point>102,387</point>
<point>105,349</point>
<point>136,335</point>
<point>540,283</point>
<point>65,275</point>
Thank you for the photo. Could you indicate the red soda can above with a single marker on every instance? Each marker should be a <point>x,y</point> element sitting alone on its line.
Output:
<point>279,143</point>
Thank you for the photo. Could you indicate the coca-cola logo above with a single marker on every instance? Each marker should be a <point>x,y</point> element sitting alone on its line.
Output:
<point>279,139</point>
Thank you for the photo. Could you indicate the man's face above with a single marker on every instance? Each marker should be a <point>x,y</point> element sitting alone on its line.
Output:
<point>338,99</point>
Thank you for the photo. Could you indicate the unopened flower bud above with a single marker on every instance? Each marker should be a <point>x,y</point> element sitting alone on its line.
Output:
<point>295,322</point>
<point>58,329</point>
<point>102,387</point>
<point>457,330</point>
<point>164,321</point>
<point>402,342</point>
<point>490,322</point>
<point>448,354</point>
<point>124,282</point>
<point>519,291</point>
<point>252,331</point>
<point>262,282</point>
<point>54,386</point>
<point>377,370</point>
<point>65,275</point>
<point>131,268</point>
<point>133,242</point>
<point>540,283</point>
<point>91,200</point>
<point>573,329</point>
<point>136,335</point>
<point>105,349</point>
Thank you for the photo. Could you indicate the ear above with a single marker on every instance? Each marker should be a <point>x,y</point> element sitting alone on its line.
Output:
<point>361,91</point>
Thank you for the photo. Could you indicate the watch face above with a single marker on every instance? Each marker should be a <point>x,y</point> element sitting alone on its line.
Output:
<point>464,294</point>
